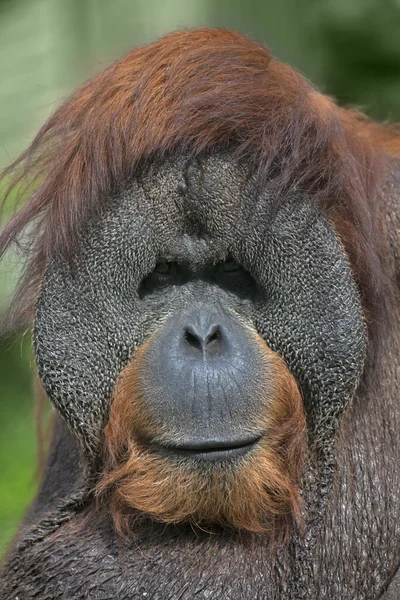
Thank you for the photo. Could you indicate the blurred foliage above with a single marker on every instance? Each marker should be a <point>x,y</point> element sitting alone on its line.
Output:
<point>351,50</point>
<point>362,58</point>
<point>17,437</point>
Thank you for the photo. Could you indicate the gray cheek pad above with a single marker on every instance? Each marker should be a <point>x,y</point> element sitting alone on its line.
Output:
<point>311,314</point>
<point>90,317</point>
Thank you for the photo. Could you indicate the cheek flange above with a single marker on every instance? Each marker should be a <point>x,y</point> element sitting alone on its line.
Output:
<point>87,323</point>
<point>79,352</point>
<point>313,315</point>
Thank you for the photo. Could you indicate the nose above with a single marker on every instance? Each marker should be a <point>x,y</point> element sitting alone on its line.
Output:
<point>203,337</point>
<point>201,375</point>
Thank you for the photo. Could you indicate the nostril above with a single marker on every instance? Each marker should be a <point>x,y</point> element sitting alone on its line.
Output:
<point>193,340</point>
<point>214,336</point>
<point>208,339</point>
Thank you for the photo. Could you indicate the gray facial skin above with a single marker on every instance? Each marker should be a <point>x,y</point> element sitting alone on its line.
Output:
<point>297,291</point>
<point>93,314</point>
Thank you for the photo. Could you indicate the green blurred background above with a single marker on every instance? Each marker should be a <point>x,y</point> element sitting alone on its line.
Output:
<point>349,48</point>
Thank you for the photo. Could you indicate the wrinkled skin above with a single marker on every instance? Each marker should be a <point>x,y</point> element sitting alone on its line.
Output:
<point>297,284</point>
<point>350,547</point>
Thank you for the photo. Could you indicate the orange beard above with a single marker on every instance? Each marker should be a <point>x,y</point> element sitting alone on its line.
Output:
<point>257,492</point>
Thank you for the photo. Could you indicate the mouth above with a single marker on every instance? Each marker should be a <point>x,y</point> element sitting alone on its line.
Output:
<point>209,450</point>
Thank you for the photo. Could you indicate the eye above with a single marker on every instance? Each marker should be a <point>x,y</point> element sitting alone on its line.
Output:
<point>230,266</point>
<point>163,275</point>
<point>232,277</point>
<point>165,268</point>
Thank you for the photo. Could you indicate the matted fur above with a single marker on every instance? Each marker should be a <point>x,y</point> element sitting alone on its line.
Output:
<point>257,493</point>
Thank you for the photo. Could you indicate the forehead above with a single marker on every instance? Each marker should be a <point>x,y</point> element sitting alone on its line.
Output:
<point>200,210</point>
<point>202,196</point>
<point>197,206</point>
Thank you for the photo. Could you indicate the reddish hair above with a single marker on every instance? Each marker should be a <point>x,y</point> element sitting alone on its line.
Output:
<point>258,494</point>
<point>192,91</point>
